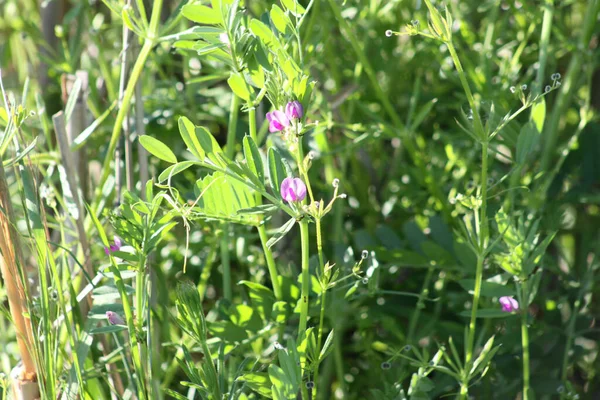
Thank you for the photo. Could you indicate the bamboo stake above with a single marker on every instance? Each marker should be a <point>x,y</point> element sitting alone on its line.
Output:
<point>11,266</point>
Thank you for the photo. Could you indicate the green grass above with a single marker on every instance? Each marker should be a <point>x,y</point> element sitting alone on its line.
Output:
<point>449,156</point>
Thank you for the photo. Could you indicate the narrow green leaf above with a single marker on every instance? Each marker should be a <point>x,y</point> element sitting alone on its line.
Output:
<point>188,134</point>
<point>201,14</point>
<point>277,170</point>
<point>538,114</point>
<point>158,149</point>
<point>72,100</point>
<point>108,329</point>
<point>238,85</point>
<point>280,20</point>
<point>87,132</point>
<point>527,140</point>
<point>174,169</point>
<point>253,158</point>
<point>259,382</point>
<point>281,232</point>
<point>294,7</point>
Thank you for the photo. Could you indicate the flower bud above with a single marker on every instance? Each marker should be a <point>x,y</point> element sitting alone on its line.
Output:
<point>278,121</point>
<point>508,304</point>
<point>293,190</point>
<point>294,110</point>
<point>114,318</point>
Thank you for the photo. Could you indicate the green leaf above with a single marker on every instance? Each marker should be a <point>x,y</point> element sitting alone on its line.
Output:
<point>221,197</point>
<point>278,170</point>
<point>256,71</point>
<point>262,298</point>
<point>87,132</point>
<point>538,114</point>
<point>108,329</point>
<point>253,158</point>
<point>175,169</point>
<point>72,100</point>
<point>265,34</point>
<point>210,146</point>
<point>281,232</point>
<point>246,317</point>
<point>158,149</point>
<point>484,357</point>
<point>294,7</point>
<point>488,313</point>
<point>188,134</point>
<point>526,141</point>
<point>260,209</point>
<point>227,331</point>
<point>282,388</point>
<point>259,382</point>
<point>280,20</point>
<point>488,289</point>
<point>326,346</point>
<point>201,14</point>
<point>240,87</point>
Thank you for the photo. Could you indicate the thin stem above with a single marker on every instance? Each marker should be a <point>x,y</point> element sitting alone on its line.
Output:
<point>261,228</point>
<point>305,278</point>
<point>525,339</point>
<point>230,152</point>
<point>270,262</point>
<point>323,301</point>
<point>225,262</point>
<point>128,94</point>
<point>483,222</point>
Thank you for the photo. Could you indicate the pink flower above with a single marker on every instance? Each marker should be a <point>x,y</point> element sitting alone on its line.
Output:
<point>114,318</point>
<point>294,110</point>
<point>114,247</point>
<point>293,189</point>
<point>508,304</point>
<point>278,121</point>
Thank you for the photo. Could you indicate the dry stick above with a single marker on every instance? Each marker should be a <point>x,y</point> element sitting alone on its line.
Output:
<point>11,264</point>
<point>67,159</point>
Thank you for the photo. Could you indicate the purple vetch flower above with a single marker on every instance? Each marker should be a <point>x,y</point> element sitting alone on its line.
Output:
<point>293,189</point>
<point>114,318</point>
<point>294,110</point>
<point>114,247</point>
<point>278,121</point>
<point>508,304</point>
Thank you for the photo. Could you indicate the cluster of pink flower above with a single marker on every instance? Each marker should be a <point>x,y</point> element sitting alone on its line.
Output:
<point>292,189</point>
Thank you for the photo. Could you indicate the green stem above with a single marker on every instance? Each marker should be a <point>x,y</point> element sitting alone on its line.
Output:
<point>225,262</point>
<point>149,43</point>
<point>305,278</point>
<point>232,127</point>
<point>270,263</point>
<point>230,152</point>
<point>483,233</point>
<point>323,301</point>
<point>525,339</point>
<point>261,228</point>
